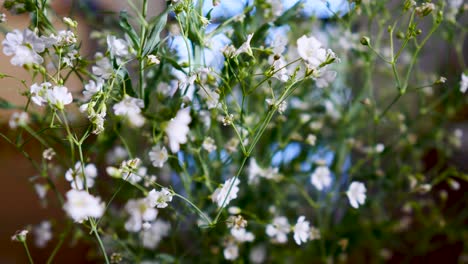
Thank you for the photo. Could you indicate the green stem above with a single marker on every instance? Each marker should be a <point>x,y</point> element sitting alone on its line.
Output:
<point>59,244</point>
<point>101,245</point>
<point>199,211</point>
<point>27,252</point>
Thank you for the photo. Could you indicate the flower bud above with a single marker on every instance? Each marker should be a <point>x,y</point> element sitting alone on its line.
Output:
<point>70,22</point>
<point>425,9</point>
<point>365,41</point>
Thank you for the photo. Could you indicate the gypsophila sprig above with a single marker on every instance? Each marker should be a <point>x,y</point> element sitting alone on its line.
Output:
<point>248,131</point>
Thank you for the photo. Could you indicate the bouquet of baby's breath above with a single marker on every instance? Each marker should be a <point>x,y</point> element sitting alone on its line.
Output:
<point>249,131</point>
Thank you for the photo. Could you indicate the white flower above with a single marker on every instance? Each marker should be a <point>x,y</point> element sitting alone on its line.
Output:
<point>140,211</point>
<point>18,119</point>
<point>281,106</point>
<point>464,83</point>
<point>245,47</point>
<point>80,205</point>
<point>63,38</point>
<point>178,128</point>
<point>152,59</point>
<point>311,51</point>
<point>158,156</point>
<point>59,96</point>
<point>228,191</point>
<point>356,194</point>
<point>211,97</point>
<point>42,234</point>
<point>92,87</point>
<point>76,177</point>
<point>279,68</point>
<point>130,108</point>
<point>159,199</point>
<point>209,144</point>
<point>231,251</point>
<point>258,254</point>
<point>324,79</point>
<point>117,47</point>
<point>301,230</point>
<point>321,178</point>
<point>135,177</point>
<point>159,229</point>
<point>311,139</point>
<point>278,230</point>
<point>241,235</point>
<point>254,171</point>
<point>103,66</point>
<point>117,154</point>
<point>41,190</point>
<point>24,46</point>
<point>20,236</point>
<point>39,93</point>
<point>48,153</point>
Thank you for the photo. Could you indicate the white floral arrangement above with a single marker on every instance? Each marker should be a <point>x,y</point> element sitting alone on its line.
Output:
<point>251,131</point>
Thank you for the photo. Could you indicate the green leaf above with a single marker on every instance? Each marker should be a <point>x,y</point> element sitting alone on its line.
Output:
<point>4,104</point>
<point>129,30</point>
<point>155,26</point>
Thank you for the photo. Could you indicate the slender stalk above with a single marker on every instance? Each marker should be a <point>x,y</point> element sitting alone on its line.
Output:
<point>27,252</point>
<point>199,211</point>
<point>59,244</point>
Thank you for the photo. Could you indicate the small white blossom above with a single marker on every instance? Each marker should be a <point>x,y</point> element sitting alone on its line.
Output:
<point>41,190</point>
<point>258,254</point>
<point>152,59</point>
<point>301,230</point>
<point>42,234</point>
<point>463,83</point>
<point>158,156</point>
<point>280,71</point>
<point>311,139</point>
<point>117,154</point>
<point>77,177</point>
<point>228,191</point>
<point>231,251</point>
<point>321,178</point>
<point>92,87</point>
<point>39,93</point>
<point>20,236</point>
<point>254,171</point>
<point>117,47</point>
<point>103,66</point>
<point>59,96</point>
<point>278,230</point>
<point>24,47</point>
<point>18,119</point>
<point>356,194</point>
<point>159,229</point>
<point>81,205</point>
<point>245,47</point>
<point>241,235</point>
<point>140,211</point>
<point>48,154</point>
<point>159,199</point>
<point>311,51</point>
<point>130,108</point>
<point>178,128</point>
<point>209,144</point>
<point>211,97</point>
<point>324,79</point>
